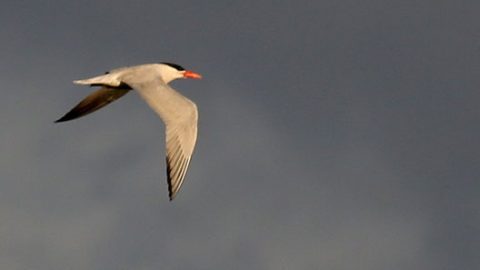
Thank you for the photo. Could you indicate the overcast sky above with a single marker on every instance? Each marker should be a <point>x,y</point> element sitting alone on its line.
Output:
<point>334,134</point>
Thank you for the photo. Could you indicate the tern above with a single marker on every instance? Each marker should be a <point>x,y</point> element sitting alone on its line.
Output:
<point>178,113</point>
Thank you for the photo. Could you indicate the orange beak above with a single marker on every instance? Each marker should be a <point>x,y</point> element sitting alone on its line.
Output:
<point>191,75</point>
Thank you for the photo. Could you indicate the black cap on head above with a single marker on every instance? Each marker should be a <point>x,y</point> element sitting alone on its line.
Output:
<point>175,66</point>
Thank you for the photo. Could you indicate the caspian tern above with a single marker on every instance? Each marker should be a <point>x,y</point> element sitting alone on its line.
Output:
<point>178,113</point>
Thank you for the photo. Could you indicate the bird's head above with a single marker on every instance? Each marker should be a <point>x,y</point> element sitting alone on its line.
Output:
<point>172,72</point>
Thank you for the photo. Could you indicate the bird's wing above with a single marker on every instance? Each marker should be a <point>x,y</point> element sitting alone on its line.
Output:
<point>93,102</point>
<point>180,144</point>
<point>180,116</point>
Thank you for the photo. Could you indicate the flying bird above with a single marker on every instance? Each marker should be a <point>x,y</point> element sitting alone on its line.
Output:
<point>179,114</point>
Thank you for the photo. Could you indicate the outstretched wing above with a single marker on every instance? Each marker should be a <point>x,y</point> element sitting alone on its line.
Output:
<point>180,116</point>
<point>93,102</point>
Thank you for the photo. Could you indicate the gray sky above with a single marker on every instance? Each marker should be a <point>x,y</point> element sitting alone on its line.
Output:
<point>333,135</point>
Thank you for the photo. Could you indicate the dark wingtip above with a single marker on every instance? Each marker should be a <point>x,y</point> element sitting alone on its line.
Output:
<point>64,118</point>
<point>170,191</point>
<point>171,196</point>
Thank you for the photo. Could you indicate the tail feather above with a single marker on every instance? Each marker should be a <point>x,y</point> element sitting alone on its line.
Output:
<point>107,79</point>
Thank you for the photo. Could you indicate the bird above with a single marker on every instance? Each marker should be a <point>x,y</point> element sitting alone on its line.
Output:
<point>178,113</point>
